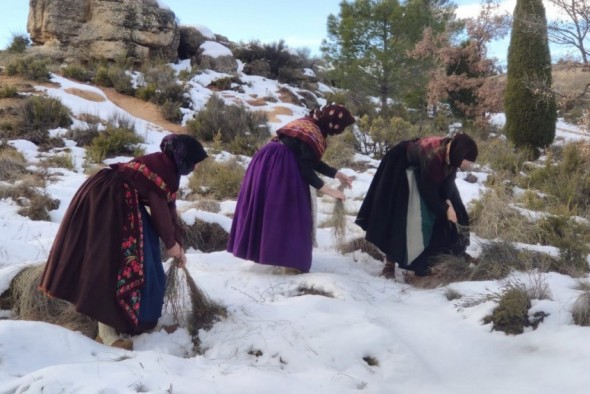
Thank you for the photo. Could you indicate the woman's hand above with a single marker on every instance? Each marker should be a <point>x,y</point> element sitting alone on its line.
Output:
<point>451,214</point>
<point>344,179</point>
<point>178,253</point>
<point>337,194</point>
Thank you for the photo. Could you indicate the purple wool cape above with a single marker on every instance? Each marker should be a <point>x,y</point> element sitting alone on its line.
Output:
<point>272,223</point>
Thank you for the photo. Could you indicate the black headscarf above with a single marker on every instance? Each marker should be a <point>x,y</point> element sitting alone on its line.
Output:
<point>462,148</point>
<point>333,118</point>
<point>184,150</point>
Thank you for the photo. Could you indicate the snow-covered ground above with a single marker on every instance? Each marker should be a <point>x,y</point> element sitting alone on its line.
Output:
<point>370,335</point>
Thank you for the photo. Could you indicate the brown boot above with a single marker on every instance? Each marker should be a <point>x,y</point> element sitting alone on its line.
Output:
<point>388,271</point>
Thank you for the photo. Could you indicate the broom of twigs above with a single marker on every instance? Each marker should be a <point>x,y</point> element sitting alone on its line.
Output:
<point>189,305</point>
<point>339,220</point>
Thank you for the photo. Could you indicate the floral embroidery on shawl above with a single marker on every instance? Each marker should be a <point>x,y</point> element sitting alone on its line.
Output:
<point>152,176</point>
<point>307,131</point>
<point>130,277</point>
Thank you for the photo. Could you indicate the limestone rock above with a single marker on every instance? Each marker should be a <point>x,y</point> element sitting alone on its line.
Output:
<point>105,29</point>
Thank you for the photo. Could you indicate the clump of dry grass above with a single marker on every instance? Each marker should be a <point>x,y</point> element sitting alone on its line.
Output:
<point>189,305</point>
<point>204,236</point>
<point>312,290</point>
<point>29,303</point>
<point>581,309</point>
<point>496,261</point>
<point>34,204</point>
<point>362,245</point>
<point>492,217</point>
<point>13,164</point>
<point>452,294</point>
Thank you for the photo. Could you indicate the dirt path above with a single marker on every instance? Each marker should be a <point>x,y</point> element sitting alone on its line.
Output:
<point>141,109</point>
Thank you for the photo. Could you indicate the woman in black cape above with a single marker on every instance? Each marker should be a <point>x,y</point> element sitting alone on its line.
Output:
<point>413,208</point>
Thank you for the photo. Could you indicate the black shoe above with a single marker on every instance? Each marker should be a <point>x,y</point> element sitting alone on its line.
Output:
<point>423,271</point>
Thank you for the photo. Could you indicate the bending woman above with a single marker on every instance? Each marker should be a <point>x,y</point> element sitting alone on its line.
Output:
<point>413,206</point>
<point>273,218</point>
<point>106,257</point>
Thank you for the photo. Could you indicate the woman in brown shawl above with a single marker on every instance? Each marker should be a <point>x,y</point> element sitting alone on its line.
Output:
<point>106,257</point>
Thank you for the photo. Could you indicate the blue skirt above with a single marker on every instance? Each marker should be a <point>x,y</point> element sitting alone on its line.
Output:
<point>154,286</point>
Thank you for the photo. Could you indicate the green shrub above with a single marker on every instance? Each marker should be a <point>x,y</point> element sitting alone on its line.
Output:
<point>40,114</point>
<point>82,137</point>
<point>501,155</point>
<point>19,43</point>
<point>35,70</point>
<point>114,141</point>
<point>230,122</point>
<point>59,161</point>
<point>511,314</point>
<point>77,72</point>
<point>102,78</point>
<point>566,181</point>
<point>120,80</point>
<point>147,92</point>
<point>170,110</point>
<point>340,151</point>
<point>8,92</point>
<point>218,180</point>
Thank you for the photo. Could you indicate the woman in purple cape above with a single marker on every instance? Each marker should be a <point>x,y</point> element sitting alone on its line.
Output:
<point>273,222</point>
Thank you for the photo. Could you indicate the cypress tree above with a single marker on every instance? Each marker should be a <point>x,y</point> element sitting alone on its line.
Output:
<point>530,107</point>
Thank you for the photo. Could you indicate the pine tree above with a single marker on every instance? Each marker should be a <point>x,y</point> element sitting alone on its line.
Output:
<point>530,112</point>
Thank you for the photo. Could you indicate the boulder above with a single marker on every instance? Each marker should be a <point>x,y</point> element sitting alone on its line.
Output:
<point>105,29</point>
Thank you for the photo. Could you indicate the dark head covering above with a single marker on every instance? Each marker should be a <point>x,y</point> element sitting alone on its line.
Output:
<point>184,150</point>
<point>333,118</point>
<point>462,148</point>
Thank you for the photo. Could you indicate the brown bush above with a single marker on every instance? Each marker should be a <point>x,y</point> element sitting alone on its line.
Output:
<point>204,236</point>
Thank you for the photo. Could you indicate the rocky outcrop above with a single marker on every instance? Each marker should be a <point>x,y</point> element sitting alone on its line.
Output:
<point>105,29</point>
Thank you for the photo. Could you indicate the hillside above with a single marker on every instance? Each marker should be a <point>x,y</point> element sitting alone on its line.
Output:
<point>338,329</point>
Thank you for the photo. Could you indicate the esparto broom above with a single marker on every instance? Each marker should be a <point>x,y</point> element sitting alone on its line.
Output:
<point>188,304</point>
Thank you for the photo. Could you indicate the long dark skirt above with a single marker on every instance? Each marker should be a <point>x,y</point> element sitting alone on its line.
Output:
<point>86,256</point>
<point>272,222</point>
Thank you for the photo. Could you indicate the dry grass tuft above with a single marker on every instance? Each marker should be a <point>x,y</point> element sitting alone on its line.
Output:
<point>363,245</point>
<point>452,294</point>
<point>492,217</point>
<point>34,204</point>
<point>29,303</point>
<point>13,164</point>
<point>188,304</point>
<point>581,309</point>
<point>204,236</point>
<point>311,290</point>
